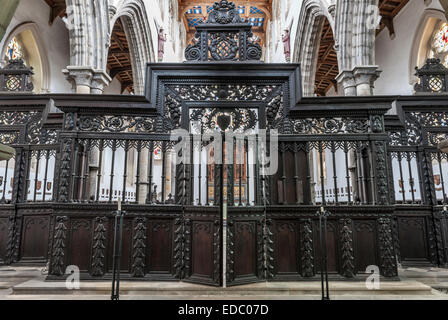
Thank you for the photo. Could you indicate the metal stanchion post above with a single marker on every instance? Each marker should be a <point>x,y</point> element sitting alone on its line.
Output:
<point>323,215</point>
<point>116,267</point>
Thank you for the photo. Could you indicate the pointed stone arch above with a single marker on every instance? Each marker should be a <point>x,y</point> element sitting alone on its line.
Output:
<point>306,45</point>
<point>138,33</point>
<point>419,47</point>
<point>38,54</point>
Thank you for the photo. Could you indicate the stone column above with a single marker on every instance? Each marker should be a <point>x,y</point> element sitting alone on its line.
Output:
<point>86,80</point>
<point>365,77</point>
<point>347,79</point>
<point>80,77</point>
<point>100,80</point>
<point>143,185</point>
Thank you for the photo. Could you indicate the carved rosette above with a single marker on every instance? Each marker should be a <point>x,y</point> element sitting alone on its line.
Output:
<point>307,253</point>
<point>57,257</point>
<point>139,248</point>
<point>193,52</point>
<point>348,260</point>
<point>388,259</point>
<point>99,247</point>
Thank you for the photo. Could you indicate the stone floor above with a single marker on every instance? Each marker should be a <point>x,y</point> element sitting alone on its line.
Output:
<point>18,283</point>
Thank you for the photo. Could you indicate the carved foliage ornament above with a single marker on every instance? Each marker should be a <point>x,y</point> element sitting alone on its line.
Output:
<point>224,12</point>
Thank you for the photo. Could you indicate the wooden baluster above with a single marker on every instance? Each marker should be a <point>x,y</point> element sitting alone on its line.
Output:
<point>403,190</point>
<point>100,168</point>
<point>44,187</point>
<point>112,170</point>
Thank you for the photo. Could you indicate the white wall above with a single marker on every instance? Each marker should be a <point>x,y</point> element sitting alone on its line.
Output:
<point>55,40</point>
<point>394,56</point>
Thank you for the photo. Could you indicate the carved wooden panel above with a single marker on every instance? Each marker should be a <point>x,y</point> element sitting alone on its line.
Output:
<point>413,238</point>
<point>80,243</point>
<point>160,246</point>
<point>126,253</point>
<point>35,233</point>
<point>245,248</point>
<point>202,249</point>
<point>365,245</point>
<point>3,238</point>
<point>286,250</point>
<point>332,247</point>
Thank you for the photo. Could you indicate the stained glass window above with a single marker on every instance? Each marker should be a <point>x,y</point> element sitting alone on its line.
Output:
<point>441,39</point>
<point>14,50</point>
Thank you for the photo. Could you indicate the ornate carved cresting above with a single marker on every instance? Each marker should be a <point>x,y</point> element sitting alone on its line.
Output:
<point>432,76</point>
<point>225,36</point>
<point>16,77</point>
<point>139,248</point>
<point>58,255</point>
<point>137,124</point>
<point>348,264</point>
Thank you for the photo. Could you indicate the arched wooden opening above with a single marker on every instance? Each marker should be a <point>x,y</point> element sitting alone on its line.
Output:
<point>327,62</point>
<point>119,58</point>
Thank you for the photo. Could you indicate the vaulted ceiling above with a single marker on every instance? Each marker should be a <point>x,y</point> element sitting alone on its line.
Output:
<point>256,12</point>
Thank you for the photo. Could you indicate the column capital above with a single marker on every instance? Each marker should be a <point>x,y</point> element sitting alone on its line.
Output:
<point>100,80</point>
<point>346,78</point>
<point>365,77</point>
<point>80,76</point>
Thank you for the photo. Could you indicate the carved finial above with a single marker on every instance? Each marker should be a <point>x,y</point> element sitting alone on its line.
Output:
<point>224,12</point>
